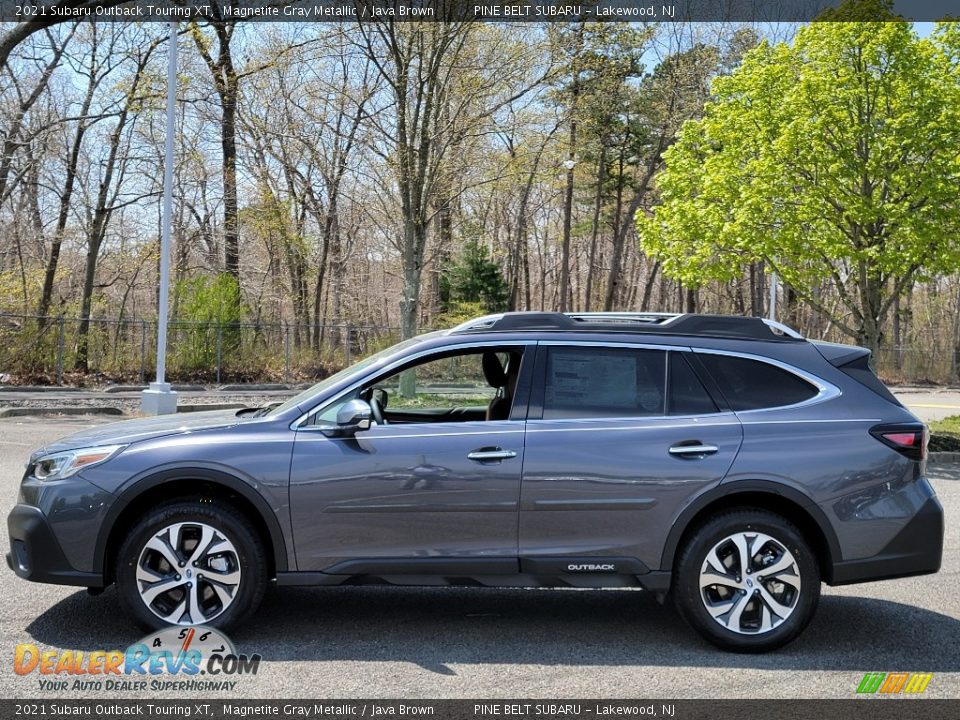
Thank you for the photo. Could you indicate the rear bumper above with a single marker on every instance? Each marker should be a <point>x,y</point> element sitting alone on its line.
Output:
<point>36,555</point>
<point>916,550</point>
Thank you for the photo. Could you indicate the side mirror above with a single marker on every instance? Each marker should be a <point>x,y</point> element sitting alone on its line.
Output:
<point>351,418</point>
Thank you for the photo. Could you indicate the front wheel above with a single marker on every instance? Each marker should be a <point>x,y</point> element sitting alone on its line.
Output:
<point>747,581</point>
<point>191,563</point>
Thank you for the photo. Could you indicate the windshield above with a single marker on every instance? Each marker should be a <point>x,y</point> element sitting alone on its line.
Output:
<point>367,362</point>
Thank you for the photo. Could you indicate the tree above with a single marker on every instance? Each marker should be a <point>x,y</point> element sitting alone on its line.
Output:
<point>832,160</point>
<point>414,60</point>
<point>53,13</point>
<point>115,166</point>
<point>673,93</point>
<point>443,83</point>
<point>226,81</point>
<point>475,278</point>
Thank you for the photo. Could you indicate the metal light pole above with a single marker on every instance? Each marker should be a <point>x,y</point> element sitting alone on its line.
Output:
<point>159,398</point>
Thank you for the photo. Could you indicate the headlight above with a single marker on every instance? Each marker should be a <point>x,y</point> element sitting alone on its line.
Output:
<point>64,464</point>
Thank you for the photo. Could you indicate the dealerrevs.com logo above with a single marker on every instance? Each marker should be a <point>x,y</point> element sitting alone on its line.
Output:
<point>176,659</point>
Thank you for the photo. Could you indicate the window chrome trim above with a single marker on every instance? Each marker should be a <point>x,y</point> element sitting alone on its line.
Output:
<point>296,424</point>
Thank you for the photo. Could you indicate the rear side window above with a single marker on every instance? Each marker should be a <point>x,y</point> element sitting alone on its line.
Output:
<point>593,382</point>
<point>752,385</point>
<point>687,394</point>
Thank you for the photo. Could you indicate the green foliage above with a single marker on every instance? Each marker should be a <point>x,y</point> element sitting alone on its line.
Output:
<point>210,307</point>
<point>206,299</point>
<point>832,160</point>
<point>20,293</point>
<point>945,434</point>
<point>459,312</point>
<point>475,279</point>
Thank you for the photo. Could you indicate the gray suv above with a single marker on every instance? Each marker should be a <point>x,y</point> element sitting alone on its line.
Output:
<point>725,462</point>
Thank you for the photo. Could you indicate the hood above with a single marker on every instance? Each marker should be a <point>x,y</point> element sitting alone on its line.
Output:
<point>131,431</point>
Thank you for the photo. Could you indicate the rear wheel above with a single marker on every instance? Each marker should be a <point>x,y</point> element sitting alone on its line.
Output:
<point>747,581</point>
<point>191,563</point>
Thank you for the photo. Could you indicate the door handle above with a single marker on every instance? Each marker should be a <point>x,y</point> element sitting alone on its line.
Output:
<point>486,454</point>
<point>697,449</point>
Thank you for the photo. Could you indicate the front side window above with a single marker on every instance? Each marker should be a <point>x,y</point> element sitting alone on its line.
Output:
<point>596,382</point>
<point>754,385</point>
<point>447,382</point>
<point>470,385</point>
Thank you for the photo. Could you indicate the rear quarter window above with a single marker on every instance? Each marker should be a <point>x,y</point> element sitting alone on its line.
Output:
<point>753,384</point>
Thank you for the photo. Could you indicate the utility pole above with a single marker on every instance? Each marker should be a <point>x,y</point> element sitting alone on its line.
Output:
<point>159,398</point>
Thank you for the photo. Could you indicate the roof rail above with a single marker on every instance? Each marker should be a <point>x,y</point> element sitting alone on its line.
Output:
<point>723,326</point>
<point>624,317</point>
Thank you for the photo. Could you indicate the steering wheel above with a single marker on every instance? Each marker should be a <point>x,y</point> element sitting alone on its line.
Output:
<point>378,401</point>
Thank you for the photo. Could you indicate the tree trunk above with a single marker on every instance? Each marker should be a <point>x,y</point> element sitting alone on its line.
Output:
<point>869,330</point>
<point>648,287</point>
<point>228,141</point>
<point>568,195</point>
<point>595,229</point>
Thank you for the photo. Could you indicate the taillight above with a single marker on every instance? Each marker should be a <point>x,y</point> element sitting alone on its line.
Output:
<point>908,439</point>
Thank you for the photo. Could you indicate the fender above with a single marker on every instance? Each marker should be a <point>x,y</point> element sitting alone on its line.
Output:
<point>133,490</point>
<point>723,491</point>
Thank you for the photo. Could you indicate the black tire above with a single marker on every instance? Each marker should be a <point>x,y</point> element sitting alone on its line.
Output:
<point>224,519</point>
<point>689,598</point>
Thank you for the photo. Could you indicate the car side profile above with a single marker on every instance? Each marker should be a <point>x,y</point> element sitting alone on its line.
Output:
<point>725,462</point>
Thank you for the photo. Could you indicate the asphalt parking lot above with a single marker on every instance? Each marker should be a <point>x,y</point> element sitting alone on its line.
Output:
<point>484,643</point>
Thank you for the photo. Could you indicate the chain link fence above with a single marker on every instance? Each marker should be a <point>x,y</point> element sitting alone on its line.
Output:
<point>68,351</point>
<point>59,350</point>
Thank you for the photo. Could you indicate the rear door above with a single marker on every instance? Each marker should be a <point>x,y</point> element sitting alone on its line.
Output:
<point>619,439</point>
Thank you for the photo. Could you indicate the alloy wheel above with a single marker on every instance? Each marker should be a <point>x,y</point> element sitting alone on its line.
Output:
<point>750,583</point>
<point>188,573</point>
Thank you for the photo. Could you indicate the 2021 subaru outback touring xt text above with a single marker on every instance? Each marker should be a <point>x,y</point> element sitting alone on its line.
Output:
<point>724,461</point>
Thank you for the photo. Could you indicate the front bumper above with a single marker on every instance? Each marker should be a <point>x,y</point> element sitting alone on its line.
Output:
<point>916,550</point>
<point>36,555</point>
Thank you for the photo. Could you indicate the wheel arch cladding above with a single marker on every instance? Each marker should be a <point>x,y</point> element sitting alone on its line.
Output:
<point>763,495</point>
<point>180,483</point>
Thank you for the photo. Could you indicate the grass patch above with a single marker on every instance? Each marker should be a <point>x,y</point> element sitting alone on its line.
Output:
<point>945,434</point>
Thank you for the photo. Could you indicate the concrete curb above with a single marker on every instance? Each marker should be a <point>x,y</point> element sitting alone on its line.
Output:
<point>942,458</point>
<point>33,411</point>
<point>242,387</point>
<point>211,406</point>
<point>105,410</point>
<point>141,388</point>
<point>37,388</point>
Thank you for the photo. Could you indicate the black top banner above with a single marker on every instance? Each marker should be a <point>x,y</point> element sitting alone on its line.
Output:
<point>645,11</point>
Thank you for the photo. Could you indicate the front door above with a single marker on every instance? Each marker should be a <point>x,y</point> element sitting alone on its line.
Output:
<point>432,489</point>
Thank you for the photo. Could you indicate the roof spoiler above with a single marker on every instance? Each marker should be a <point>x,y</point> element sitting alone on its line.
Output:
<point>854,361</point>
<point>839,355</point>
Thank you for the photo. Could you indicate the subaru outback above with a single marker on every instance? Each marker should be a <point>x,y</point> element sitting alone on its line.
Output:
<point>724,462</point>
